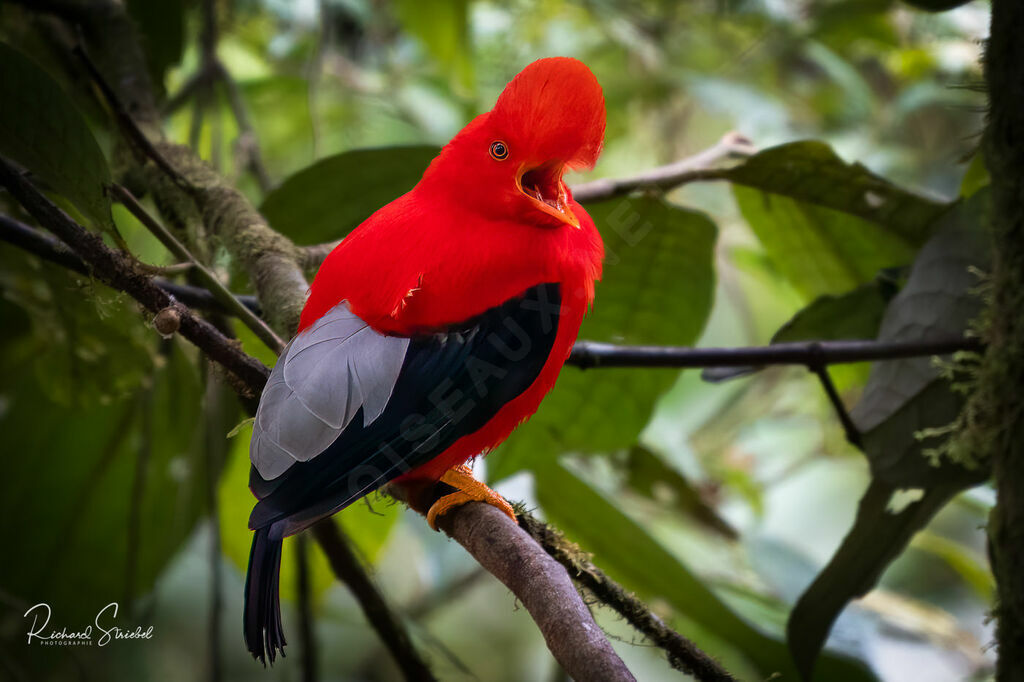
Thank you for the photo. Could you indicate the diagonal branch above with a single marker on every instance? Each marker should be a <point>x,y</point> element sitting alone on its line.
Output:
<point>683,654</point>
<point>691,169</point>
<point>55,251</point>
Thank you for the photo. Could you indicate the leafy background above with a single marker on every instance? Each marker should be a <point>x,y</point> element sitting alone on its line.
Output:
<point>718,503</point>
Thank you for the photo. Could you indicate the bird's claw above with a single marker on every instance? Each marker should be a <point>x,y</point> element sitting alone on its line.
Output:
<point>468,489</point>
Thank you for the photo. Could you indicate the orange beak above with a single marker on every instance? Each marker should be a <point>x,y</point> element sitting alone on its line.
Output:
<point>543,186</point>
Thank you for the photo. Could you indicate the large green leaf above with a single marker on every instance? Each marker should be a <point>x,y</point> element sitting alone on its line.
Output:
<point>879,534</point>
<point>77,478</point>
<point>42,130</point>
<point>906,396</point>
<point>657,288</point>
<point>812,173</point>
<point>629,554</point>
<point>328,199</point>
<point>903,398</point>
<point>820,250</point>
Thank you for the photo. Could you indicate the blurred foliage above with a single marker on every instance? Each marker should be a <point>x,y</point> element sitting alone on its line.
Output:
<point>719,504</point>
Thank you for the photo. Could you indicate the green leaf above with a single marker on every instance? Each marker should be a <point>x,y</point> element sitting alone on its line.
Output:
<point>657,288</point>
<point>905,396</point>
<point>820,250</point>
<point>878,536</point>
<point>42,130</point>
<point>443,28</point>
<point>813,174</point>
<point>853,315</point>
<point>328,199</point>
<point>80,499</point>
<point>629,554</point>
<point>976,176</point>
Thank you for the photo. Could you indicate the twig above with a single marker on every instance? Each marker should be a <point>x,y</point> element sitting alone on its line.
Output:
<point>592,354</point>
<point>849,428</point>
<point>392,632</point>
<point>691,169</point>
<point>682,654</point>
<point>216,287</point>
<point>114,269</point>
<point>535,578</point>
<point>247,141</point>
<point>55,251</point>
<point>127,126</point>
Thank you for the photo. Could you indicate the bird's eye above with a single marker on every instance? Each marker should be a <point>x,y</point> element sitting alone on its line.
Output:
<point>499,150</point>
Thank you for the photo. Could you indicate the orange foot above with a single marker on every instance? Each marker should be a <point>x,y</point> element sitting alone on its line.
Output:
<point>468,489</point>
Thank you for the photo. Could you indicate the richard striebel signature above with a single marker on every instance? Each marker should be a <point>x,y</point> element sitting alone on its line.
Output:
<point>101,628</point>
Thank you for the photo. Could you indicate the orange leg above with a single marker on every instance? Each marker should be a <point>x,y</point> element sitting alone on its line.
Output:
<point>469,490</point>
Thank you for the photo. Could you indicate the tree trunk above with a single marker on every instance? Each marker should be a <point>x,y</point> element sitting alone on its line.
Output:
<point>997,426</point>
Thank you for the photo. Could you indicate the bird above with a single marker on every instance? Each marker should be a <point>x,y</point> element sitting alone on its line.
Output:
<point>433,329</point>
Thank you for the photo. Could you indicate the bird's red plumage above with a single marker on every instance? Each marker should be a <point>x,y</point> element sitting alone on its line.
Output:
<point>466,239</point>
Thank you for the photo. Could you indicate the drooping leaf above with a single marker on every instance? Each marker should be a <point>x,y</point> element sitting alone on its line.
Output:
<point>630,555</point>
<point>813,174</point>
<point>657,288</point>
<point>905,396</point>
<point>328,199</point>
<point>878,536</point>
<point>42,130</point>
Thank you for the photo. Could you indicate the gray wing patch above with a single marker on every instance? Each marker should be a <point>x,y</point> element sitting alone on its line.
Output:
<point>324,376</point>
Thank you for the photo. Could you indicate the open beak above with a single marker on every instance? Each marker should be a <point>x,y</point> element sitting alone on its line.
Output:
<point>544,187</point>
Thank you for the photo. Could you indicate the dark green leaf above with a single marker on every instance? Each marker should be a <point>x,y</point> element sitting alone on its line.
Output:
<point>42,130</point>
<point>878,536</point>
<point>811,173</point>
<point>905,396</point>
<point>629,554</point>
<point>327,200</point>
<point>161,28</point>
<point>657,288</point>
<point>79,501</point>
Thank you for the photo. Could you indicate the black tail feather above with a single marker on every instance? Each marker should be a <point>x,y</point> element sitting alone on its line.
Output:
<point>264,636</point>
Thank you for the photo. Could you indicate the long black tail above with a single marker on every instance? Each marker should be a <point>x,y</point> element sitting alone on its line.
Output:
<point>264,635</point>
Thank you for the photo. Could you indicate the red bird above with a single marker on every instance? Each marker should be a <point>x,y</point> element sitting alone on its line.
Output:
<point>435,328</point>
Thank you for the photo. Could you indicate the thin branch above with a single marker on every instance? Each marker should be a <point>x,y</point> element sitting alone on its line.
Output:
<point>593,354</point>
<point>682,654</point>
<point>849,428</point>
<point>117,271</point>
<point>216,287</point>
<point>392,631</point>
<point>691,169</point>
<point>247,142</point>
<point>535,578</point>
<point>55,251</point>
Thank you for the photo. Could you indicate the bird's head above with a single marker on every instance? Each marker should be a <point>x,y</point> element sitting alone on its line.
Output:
<point>509,162</point>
